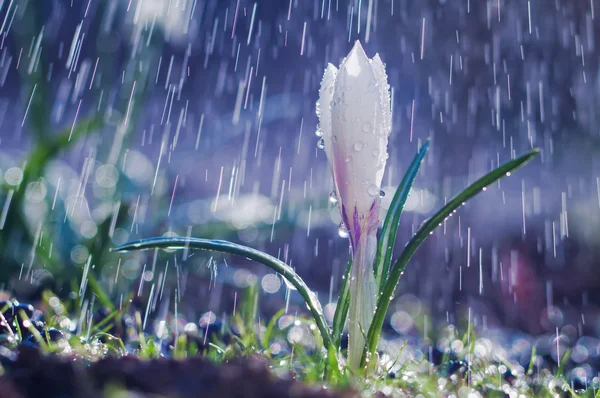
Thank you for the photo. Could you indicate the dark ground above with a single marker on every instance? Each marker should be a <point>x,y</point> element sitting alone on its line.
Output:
<point>33,374</point>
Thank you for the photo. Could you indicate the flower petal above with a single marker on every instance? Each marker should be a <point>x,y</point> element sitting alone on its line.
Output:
<point>359,134</point>
<point>324,107</point>
<point>384,90</point>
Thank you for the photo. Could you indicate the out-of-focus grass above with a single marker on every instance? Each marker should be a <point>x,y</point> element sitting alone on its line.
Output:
<point>276,340</point>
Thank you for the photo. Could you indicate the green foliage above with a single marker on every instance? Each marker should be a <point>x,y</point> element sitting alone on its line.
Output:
<point>386,295</point>
<point>387,239</point>
<point>275,264</point>
<point>388,276</point>
<point>341,309</point>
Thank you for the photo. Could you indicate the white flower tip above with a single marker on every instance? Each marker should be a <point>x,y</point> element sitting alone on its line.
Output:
<point>377,59</point>
<point>357,46</point>
<point>330,68</point>
<point>356,61</point>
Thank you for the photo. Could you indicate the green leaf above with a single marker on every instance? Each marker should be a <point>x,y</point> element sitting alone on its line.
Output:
<point>424,231</point>
<point>531,361</point>
<point>233,248</point>
<point>266,340</point>
<point>341,309</point>
<point>562,362</point>
<point>99,292</point>
<point>387,239</point>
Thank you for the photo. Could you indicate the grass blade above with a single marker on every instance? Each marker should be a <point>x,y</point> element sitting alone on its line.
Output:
<point>341,309</point>
<point>233,248</point>
<point>387,239</point>
<point>424,231</point>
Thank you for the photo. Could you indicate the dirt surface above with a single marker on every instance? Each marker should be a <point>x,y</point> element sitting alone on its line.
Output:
<point>32,374</point>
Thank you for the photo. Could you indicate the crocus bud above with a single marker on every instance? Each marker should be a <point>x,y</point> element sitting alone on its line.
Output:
<point>355,119</point>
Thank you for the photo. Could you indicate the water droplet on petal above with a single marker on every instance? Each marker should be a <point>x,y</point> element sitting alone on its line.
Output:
<point>321,144</point>
<point>343,230</point>
<point>375,152</point>
<point>381,193</point>
<point>319,132</point>
<point>367,127</point>
<point>373,190</point>
<point>333,197</point>
<point>349,159</point>
<point>358,146</point>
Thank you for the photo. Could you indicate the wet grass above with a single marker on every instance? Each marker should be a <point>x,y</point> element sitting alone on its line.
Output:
<point>291,345</point>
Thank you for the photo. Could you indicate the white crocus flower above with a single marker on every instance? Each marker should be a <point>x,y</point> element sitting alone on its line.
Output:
<point>355,117</point>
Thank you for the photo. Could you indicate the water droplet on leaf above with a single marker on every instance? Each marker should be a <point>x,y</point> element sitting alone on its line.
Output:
<point>289,285</point>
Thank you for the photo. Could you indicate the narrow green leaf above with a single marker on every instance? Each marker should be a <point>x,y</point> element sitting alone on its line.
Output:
<point>341,309</point>
<point>99,292</point>
<point>266,340</point>
<point>562,362</point>
<point>387,239</point>
<point>233,248</point>
<point>332,371</point>
<point>531,361</point>
<point>424,231</point>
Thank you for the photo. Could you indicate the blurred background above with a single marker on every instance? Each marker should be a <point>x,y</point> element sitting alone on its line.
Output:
<point>127,119</point>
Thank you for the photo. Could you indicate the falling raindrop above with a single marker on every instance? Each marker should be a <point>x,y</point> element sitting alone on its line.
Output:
<point>321,144</point>
<point>343,230</point>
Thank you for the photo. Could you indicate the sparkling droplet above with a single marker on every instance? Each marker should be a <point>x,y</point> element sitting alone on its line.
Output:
<point>358,146</point>
<point>367,127</point>
<point>318,131</point>
<point>343,230</point>
<point>333,197</point>
<point>373,190</point>
<point>321,144</point>
<point>289,285</point>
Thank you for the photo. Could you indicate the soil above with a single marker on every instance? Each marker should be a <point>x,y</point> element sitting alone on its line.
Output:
<point>33,374</point>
